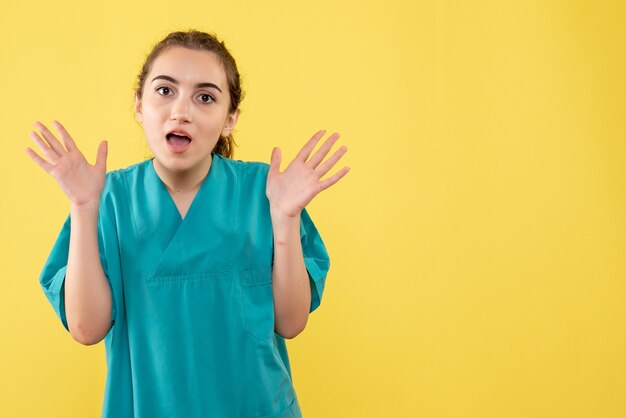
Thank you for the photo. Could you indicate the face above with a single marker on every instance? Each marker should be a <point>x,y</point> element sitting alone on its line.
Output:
<point>193,97</point>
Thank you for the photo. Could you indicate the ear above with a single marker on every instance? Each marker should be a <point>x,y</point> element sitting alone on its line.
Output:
<point>138,114</point>
<point>230,123</point>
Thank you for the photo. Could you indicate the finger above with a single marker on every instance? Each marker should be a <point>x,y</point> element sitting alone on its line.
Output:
<point>44,147</point>
<point>328,164</point>
<point>333,179</point>
<point>308,147</point>
<point>275,161</point>
<point>67,139</point>
<point>40,161</point>
<point>101,157</point>
<point>54,143</point>
<point>320,154</point>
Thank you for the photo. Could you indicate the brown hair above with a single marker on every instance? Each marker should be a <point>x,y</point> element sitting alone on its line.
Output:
<point>197,40</point>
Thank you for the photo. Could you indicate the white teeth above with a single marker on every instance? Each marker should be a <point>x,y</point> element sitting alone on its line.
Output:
<point>178,134</point>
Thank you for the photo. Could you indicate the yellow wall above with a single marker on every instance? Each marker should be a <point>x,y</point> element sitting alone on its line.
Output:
<point>477,244</point>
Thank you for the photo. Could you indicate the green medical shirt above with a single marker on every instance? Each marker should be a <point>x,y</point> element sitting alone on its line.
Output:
<point>192,304</point>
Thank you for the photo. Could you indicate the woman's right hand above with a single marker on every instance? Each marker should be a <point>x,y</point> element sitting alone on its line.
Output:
<point>81,182</point>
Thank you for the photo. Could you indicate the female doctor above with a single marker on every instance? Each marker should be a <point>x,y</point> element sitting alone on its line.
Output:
<point>192,266</point>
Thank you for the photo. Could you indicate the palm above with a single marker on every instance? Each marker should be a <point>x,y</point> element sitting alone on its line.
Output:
<point>81,182</point>
<point>78,179</point>
<point>291,190</point>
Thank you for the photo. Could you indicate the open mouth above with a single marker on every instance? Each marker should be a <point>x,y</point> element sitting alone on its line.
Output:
<point>177,143</point>
<point>177,139</point>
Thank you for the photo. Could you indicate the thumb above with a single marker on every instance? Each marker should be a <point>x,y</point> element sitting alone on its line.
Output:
<point>101,158</point>
<point>275,160</point>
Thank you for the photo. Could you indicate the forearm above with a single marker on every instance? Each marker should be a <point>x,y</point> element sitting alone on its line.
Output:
<point>290,280</point>
<point>87,292</point>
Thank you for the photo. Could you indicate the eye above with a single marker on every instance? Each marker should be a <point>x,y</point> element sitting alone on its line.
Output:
<point>164,87</point>
<point>206,100</point>
<point>209,96</point>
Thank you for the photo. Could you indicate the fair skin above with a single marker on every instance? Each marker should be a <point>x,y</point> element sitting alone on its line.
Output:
<point>203,112</point>
<point>87,293</point>
<point>289,192</point>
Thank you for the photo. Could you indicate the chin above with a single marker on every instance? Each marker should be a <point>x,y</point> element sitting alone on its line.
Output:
<point>181,163</point>
<point>173,163</point>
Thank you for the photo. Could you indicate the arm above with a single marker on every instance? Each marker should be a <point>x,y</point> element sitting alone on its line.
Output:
<point>87,295</point>
<point>290,279</point>
<point>289,192</point>
<point>87,292</point>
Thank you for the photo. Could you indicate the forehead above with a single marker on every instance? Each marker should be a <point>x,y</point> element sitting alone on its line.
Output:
<point>189,67</point>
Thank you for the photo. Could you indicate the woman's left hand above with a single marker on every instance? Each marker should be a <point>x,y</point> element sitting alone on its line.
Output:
<point>291,190</point>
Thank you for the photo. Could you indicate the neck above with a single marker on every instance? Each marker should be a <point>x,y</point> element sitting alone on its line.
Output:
<point>183,181</point>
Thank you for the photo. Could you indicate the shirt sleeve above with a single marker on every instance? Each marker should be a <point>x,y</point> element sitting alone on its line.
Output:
<point>52,277</point>
<point>316,258</point>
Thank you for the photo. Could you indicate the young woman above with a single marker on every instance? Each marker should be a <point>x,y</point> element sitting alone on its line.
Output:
<point>194,267</point>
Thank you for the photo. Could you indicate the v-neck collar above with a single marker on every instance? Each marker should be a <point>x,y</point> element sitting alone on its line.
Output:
<point>180,246</point>
<point>165,194</point>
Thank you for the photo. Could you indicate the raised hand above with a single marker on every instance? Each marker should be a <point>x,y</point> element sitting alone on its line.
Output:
<point>291,190</point>
<point>81,182</point>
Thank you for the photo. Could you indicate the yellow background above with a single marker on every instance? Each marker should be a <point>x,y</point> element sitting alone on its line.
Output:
<point>477,244</point>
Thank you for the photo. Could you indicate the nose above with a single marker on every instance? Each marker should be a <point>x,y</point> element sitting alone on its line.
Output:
<point>180,111</point>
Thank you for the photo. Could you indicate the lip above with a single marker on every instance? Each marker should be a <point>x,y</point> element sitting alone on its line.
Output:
<point>182,131</point>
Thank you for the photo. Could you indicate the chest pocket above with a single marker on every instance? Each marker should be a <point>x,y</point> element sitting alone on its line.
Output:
<point>258,302</point>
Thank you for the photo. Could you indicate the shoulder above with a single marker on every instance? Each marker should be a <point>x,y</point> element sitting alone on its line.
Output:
<point>130,170</point>
<point>245,166</point>
<point>115,177</point>
<point>117,181</point>
<point>247,171</point>
<point>251,178</point>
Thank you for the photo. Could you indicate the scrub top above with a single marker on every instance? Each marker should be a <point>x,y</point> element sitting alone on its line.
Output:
<point>192,304</point>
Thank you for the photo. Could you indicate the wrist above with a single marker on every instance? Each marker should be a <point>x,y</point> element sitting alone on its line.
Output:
<point>278,209</point>
<point>85,208</point>
<point>279,214</point>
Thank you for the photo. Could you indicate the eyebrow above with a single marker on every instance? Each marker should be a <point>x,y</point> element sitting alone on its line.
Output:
<point>168,78</point>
